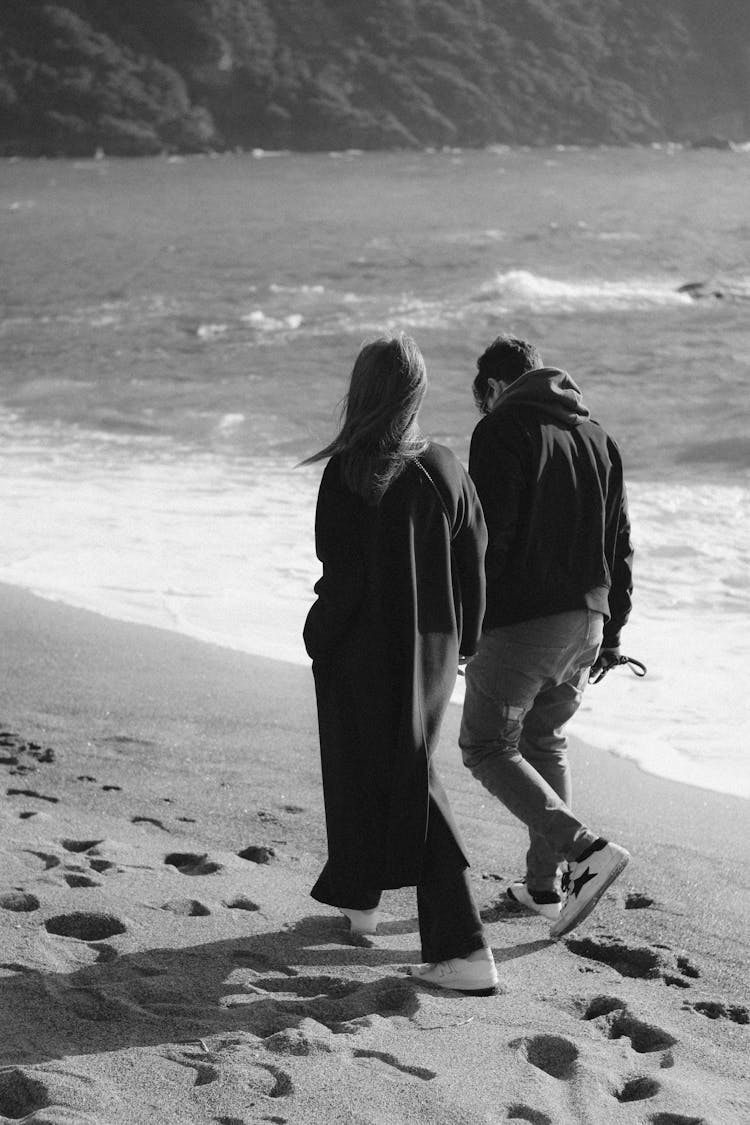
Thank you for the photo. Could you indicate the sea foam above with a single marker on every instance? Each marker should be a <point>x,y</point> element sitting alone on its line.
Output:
<point>524,289</point>
<point>224,552</point>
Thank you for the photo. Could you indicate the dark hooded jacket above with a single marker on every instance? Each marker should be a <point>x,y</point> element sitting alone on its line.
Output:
<point>550,481</point>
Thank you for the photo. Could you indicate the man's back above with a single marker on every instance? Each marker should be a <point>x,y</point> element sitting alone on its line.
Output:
<point>551,485</point>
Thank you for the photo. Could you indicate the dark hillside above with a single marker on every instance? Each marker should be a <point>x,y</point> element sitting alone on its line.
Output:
<point>134,76</point>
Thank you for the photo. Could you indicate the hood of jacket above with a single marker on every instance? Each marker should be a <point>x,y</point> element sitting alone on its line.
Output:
<point>551,391</point>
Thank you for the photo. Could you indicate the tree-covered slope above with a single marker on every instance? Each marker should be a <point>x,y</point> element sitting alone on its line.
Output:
<point>138,76</point>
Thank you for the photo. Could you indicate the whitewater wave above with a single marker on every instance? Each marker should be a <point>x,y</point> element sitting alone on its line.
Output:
<point>224,550</point>
<point>516,289</point>
<point>262,322</point>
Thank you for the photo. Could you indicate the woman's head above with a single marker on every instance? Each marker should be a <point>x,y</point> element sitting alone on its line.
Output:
<point>379,431</point>
<point>386,390</point>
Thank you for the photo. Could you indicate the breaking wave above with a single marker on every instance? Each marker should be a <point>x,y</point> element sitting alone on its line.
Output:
<point>523,289</point>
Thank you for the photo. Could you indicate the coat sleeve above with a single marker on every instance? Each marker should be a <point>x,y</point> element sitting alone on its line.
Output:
<point>496,467</point>
<point>341,587</point>
<point>621,590</point>
<point>469,546</point>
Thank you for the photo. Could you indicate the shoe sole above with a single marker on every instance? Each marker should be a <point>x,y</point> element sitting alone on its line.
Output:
<point>491,991</point>
<point>537,908</point>
<point>588,906</point>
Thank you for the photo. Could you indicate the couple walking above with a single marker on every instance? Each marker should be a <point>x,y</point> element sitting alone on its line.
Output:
<point>521,570</point>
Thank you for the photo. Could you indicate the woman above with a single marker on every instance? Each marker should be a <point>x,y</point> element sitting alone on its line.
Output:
<point>401,537</point>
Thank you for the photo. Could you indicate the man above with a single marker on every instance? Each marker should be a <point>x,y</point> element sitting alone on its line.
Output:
<point>558,570</point>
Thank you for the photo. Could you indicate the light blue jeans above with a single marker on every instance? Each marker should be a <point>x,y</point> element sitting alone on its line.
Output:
<point>523,686</point>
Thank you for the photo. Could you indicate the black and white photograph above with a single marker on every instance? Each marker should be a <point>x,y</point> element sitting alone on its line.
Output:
<point>374,562</point>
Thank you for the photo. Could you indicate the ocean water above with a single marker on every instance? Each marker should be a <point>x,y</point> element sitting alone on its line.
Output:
<point>177,333</point>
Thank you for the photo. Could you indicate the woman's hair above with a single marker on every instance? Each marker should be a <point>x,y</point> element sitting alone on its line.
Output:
<point>507,358</point>
<point>379,433</point>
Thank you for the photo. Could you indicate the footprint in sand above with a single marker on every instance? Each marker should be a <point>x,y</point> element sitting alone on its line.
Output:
<point>551,1053</point>
<point>638,1089</point>
<point>148,820</point>
<point>638,901</point>
<point>299,1042</point>
<point>629,961</point>
<point>47,859</point>
<point>78,846</point>
<point>274,1004</point>
<point>686,970</point>
<point>266,1078</point>
<point>76,881</point>
<point>716,1010</point>
<point>189,863</point>
<point>187,908</point>
<point>519,1112</point>
<point>85,926</point>
<point>205,1072</point>
<point>257,853</point>
<point>31,793</point>
<point>241,902</point>
<point>648,963</point>
<point>19,901</point>
<point>617,1022</point>
<point>101,865</point>
<point>333,988</point>
<point>676,1119</point>
<point>687,967</point>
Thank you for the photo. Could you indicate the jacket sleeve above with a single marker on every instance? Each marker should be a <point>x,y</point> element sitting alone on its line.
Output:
<point>496,467</point>
<point>469,546</point>
<point>340,588</point>
<point>621,590</point>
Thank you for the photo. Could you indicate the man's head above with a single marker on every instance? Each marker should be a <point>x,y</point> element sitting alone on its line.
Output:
<point>504,361</point>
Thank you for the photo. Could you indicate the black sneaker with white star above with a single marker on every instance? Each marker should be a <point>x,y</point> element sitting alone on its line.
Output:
<point>586,880</point>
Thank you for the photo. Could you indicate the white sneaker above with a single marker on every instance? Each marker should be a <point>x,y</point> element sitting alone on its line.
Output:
<point>585,882</point>
<point>362,921</point>
<point>477,978</point>
<point>546,903</point>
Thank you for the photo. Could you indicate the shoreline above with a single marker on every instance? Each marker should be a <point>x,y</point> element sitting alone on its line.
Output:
<point>585,717</point>
<point>162,825</point>
<point>718,142</point>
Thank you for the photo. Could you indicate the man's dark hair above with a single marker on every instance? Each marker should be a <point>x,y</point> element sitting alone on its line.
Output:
<point>506,358</point>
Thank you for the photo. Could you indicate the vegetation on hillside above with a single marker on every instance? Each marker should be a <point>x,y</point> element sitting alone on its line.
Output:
<point>139,77</point>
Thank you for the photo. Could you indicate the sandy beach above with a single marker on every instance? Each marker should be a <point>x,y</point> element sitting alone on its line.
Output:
<point>161,959</point>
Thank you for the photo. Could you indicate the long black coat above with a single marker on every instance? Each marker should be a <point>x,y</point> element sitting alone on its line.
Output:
<point>402,594</point>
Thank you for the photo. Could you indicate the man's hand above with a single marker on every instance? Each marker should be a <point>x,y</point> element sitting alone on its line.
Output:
<point>607,658</point>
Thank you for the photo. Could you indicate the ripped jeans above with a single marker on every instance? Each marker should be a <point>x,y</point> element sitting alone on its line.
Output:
<point>523,686</point>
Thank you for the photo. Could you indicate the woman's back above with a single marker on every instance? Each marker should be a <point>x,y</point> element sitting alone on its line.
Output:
<point>403,571</point>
